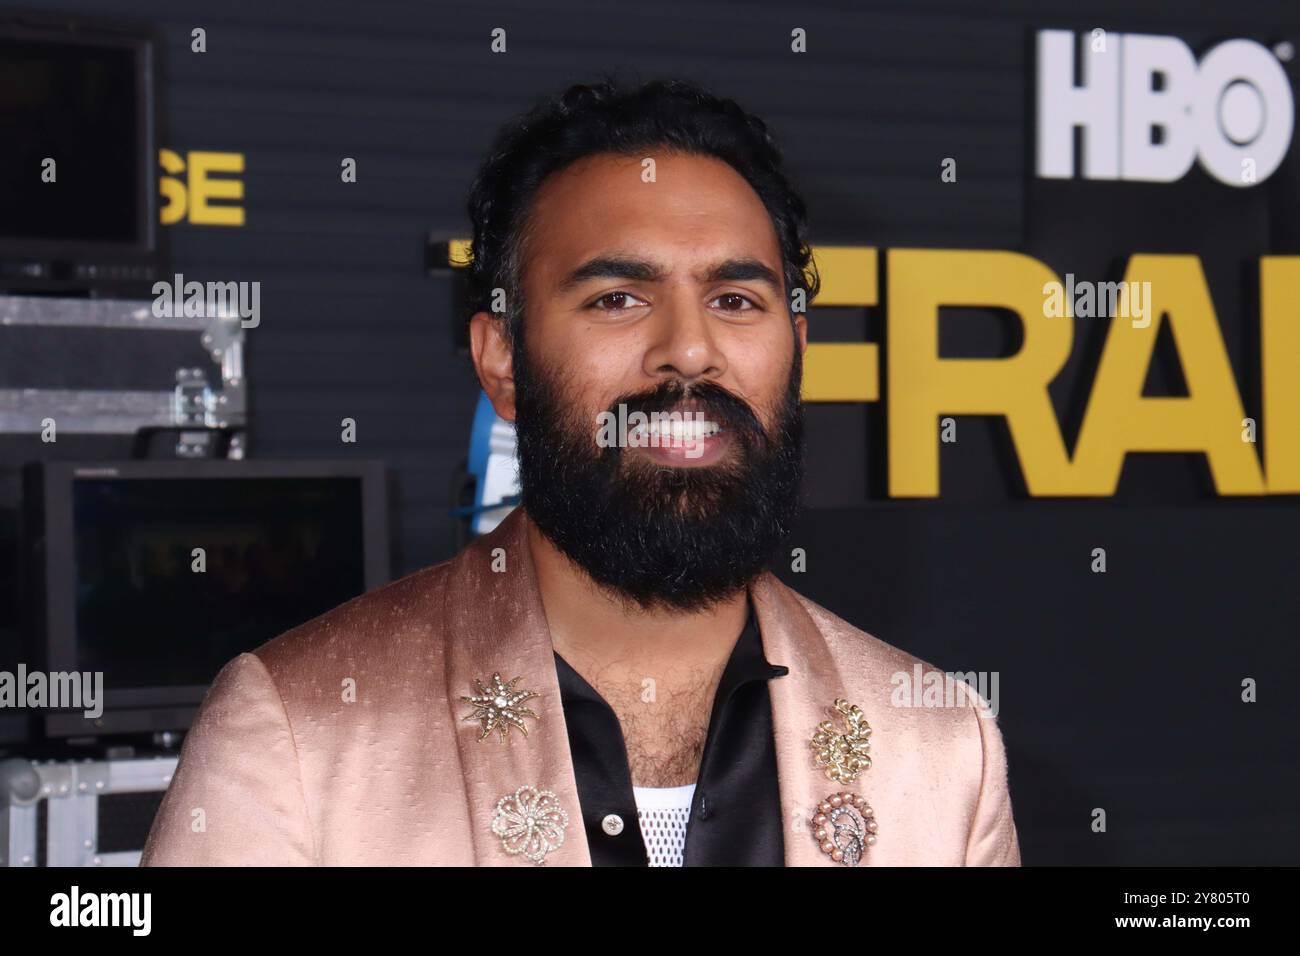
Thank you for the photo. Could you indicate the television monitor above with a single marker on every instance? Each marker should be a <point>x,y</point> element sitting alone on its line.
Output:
<point>156,573</point>
<point>84,95</point>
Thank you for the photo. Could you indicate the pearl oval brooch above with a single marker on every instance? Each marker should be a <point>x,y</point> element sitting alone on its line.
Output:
<point>844,826</point>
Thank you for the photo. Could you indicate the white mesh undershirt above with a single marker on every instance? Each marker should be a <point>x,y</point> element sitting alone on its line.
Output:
<point>663,813</point>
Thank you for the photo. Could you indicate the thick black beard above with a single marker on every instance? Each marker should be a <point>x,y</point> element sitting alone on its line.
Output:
<point>678,539</point>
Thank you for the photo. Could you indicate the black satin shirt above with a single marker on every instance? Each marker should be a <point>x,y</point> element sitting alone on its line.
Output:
<point>735,817</point>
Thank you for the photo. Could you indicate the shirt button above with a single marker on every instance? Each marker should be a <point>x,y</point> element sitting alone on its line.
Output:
<point>612,824</point>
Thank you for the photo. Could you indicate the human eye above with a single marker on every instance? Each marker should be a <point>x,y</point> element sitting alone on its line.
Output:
<point>733,302</point>
<point>616,301</point>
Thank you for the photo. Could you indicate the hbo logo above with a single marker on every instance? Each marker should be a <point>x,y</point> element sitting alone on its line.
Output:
<point>1148,111</point>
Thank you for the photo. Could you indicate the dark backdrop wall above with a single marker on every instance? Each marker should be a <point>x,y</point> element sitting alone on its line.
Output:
<point>1119,690</point>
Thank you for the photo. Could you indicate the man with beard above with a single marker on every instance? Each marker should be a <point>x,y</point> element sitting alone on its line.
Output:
<point>612,676</point>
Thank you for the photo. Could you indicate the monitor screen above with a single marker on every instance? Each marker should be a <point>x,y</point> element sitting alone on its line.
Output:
<point>150,612</point>
<point>77,104</point>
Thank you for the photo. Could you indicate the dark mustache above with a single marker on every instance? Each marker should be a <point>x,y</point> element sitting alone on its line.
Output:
<point>730,411</point>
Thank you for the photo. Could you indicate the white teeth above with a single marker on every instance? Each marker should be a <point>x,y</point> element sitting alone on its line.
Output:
<point>678,430</point>
<point>683,431</point>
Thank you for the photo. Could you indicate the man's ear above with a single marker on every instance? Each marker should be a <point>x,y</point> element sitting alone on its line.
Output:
<point>493,361</point>
<point>801,332</point>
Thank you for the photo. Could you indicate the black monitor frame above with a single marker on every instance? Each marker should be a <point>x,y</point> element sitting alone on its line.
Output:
<point>50,543</point>
<point>81,264</point>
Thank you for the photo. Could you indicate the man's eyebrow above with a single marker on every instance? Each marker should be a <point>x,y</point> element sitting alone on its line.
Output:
<point>742,270</point>
<point>643,270</point>
<point>612,267</point>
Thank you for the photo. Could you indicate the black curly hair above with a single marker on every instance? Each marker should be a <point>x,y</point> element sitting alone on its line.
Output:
<point>606,117</point>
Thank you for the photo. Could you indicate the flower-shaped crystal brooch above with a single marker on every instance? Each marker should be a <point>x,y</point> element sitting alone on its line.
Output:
<point>530,822</point>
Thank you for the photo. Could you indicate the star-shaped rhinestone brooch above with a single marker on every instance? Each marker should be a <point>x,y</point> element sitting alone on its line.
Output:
<point>496,706</point>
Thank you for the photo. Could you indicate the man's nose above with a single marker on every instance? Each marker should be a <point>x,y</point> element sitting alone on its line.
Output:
<point>683,342</point>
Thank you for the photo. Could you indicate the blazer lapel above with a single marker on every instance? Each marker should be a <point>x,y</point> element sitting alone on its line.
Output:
<point>495,623</point>
<point>799,703</point>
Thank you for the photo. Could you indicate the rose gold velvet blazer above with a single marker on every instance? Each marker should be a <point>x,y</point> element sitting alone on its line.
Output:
<point>285,766</point>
